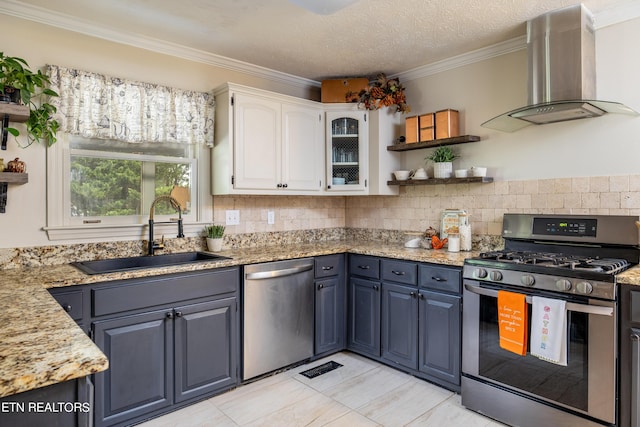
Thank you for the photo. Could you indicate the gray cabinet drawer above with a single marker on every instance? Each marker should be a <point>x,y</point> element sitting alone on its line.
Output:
<point>634,315</point>
<point>448,279</point>
<point>328,265</point>
<point>365,266</point>
<point>400,271</point>
<point>134,294</point>
<point>71,301</point>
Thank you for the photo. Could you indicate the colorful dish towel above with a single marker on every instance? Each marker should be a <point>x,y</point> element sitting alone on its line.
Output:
<point>549,330</point>
<point>512,317</point>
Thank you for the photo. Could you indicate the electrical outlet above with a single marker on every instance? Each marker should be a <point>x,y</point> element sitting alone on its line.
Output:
<point>233,217</point>
<point>271,217</point>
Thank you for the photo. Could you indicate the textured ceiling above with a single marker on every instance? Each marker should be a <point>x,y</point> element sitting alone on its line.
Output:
<point>363,39</point>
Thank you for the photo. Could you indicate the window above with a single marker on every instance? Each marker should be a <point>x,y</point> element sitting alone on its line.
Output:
<point>107,187</point>
<point>122,144</point>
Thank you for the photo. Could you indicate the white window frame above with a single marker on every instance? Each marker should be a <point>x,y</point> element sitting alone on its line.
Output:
<point>60,225</point>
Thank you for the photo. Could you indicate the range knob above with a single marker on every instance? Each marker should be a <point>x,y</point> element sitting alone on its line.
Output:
<point>563,285</point>
<point>480,273</point>
<point>584,287</point>
<point>495,276</point>
<point>527,280</point>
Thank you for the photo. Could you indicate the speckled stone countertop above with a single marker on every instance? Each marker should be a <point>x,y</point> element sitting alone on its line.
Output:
<point>41,345</point>
<point>629,277</point>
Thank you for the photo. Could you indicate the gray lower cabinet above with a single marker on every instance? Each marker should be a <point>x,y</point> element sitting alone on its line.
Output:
<point>400,325</point>
<point>66,404</point>
<point>410,319</point>
<point>170,340</point>
<point>330,304</point>
<point>439,343</point>
<point>139,379</point>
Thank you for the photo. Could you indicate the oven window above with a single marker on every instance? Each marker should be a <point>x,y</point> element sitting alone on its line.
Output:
<point>567,385</point>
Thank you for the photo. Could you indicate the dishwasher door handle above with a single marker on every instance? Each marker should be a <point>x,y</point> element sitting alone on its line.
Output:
<point>260,275</point>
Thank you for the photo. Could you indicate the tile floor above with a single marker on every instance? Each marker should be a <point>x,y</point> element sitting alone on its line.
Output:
<point>360,393</point>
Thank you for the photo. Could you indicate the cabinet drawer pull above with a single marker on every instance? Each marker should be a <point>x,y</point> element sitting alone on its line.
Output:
<point>327,267</point>
<point>398,273</point>
<point>364,267</point>
<point>438,279</point>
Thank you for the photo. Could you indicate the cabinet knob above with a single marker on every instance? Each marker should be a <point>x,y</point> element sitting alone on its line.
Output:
<point>376,287</point>
<point>412,294</point>
<point>67,308</point>
<point>320,286</point>
<point>169,315</point>
<point>421,296</point>
<point>285,185</point>
<point>179,314</point>
<point>279,185</point>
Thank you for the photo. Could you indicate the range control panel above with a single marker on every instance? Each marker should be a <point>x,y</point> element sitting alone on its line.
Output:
<point>565,227</point>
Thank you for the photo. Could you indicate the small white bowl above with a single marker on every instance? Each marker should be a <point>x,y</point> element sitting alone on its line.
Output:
<point>461,173</point>
<point>476,171</point>
<point>402,175</point>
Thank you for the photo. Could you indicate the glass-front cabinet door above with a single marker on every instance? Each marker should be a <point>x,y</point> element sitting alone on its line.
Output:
<point>347,142</point>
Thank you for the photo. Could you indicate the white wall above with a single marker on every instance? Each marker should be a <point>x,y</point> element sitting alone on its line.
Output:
<point>608,145</point>
<point>38,44</point>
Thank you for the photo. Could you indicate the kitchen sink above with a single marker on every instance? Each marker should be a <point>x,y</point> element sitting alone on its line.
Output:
<point>114,265</point>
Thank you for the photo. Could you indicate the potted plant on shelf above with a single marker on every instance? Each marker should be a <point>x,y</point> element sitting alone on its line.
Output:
<point>214,235</point>
<point>20,85</point>
<point>442,158</point>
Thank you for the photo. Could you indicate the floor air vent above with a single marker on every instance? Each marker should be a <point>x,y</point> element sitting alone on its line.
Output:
<point>321,369</point>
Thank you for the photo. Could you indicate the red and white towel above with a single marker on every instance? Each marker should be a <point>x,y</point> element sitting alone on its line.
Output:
<point>549,330</point>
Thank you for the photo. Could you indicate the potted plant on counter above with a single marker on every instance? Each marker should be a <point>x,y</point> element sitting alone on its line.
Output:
<point>214,235</point>
<point>442,158</point>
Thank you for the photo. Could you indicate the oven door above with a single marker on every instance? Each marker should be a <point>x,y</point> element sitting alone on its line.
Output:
<point>587,385</point>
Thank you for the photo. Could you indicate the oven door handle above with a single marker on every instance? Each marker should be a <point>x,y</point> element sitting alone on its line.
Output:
<point>580,308</point>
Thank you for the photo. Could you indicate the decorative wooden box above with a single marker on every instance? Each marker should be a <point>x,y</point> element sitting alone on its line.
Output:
<point>336,90</point>
<point>447,124</point>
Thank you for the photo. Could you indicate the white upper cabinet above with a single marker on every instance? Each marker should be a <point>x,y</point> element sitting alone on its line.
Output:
<point>347,150</point>
<point>266,143</point>
<point>273,144</point>
<point>302,148</point>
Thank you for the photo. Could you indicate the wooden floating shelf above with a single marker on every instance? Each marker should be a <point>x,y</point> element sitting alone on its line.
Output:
<point>434,181</point>
<point>434,143</point>
<point>17,113</point>
<point>14,178</point>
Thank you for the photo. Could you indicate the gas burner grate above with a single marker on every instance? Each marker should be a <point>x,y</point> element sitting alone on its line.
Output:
<point>558,260</point>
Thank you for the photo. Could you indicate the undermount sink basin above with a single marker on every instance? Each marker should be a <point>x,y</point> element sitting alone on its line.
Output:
<point>113,265</point>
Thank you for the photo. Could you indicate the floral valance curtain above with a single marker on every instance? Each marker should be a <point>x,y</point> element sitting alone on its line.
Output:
<point>97,106</point>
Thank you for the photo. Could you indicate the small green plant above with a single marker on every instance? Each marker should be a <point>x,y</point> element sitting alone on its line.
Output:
<point>442,154</point>
<point>15,76</point>
<point>214,231</point>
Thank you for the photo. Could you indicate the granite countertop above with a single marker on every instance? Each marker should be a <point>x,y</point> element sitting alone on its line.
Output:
<point>41,345</point>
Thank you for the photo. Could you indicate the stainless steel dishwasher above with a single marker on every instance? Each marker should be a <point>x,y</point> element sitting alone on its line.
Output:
<point>278,315</point>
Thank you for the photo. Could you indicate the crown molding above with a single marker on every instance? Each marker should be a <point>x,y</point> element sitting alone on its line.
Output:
<point>59,20</point>
<point>622,12</point>
<point>478,55</point>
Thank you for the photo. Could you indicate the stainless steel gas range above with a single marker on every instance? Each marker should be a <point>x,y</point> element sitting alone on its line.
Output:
<point>572,258</point>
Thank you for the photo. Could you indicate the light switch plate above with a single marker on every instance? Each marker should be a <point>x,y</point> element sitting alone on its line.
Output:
<point>271,217</point>
<point>233,217</point>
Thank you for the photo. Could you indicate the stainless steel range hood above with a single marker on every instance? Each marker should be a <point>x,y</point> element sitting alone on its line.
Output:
<point>561,73</point>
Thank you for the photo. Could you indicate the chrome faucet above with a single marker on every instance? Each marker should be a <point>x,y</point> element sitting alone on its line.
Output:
<point>176,205</point>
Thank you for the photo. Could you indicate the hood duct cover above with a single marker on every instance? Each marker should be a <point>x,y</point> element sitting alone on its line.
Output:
<point>561,72</point>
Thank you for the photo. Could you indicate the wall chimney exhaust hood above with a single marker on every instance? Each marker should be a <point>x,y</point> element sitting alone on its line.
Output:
<point>561,72</point>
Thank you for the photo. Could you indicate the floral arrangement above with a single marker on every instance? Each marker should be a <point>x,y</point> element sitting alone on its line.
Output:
<point>383,92</point>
